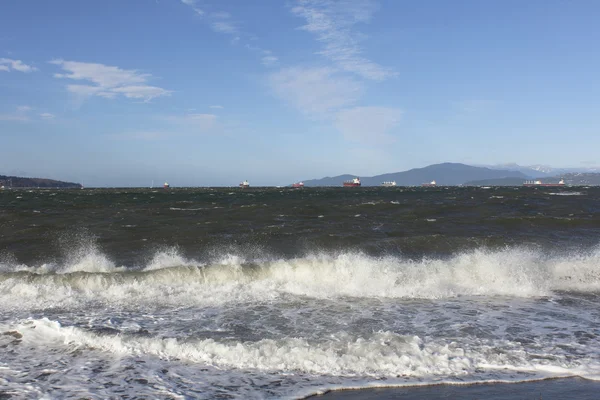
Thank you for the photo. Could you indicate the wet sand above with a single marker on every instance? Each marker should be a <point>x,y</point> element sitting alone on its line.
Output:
<point>549,389</point>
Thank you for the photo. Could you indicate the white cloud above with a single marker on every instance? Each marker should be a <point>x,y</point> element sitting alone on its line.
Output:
<point>371,123</point>
<point>223,27</point>
<point>146,93</point>
<point>192,3</point>
<point>23,114</point>
<point>217,107</point>
<point>108,81</point>
<point>8,64</point>
<point>270,61</point>
<point>315,91</point>
<point>332,23</point>
<point>219,21</point>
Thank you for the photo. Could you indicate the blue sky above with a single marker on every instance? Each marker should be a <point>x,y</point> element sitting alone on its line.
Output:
<point>195,92</point>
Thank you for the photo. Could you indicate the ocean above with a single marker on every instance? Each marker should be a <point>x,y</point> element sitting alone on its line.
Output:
<point>279,293</point>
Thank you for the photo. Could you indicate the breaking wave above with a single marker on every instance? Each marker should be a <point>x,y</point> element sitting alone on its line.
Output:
<point>171,278</point>
<point>382,354</point>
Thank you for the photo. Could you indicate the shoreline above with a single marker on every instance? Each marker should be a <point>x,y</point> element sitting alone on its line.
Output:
<point>559,388</point>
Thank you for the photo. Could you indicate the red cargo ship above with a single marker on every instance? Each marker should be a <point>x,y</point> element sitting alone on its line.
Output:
<point>298,185</point>
<point>353,183</point>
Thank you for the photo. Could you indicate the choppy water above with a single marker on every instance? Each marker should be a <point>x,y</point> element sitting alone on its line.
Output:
<point>280,293</point>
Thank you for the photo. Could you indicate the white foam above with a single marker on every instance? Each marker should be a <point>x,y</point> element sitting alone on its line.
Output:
<point>170,278</point>
<point>382,354</point>
<point>169,258</point>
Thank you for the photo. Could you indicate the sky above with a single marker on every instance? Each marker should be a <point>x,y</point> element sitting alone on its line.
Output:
<point>213,92</point>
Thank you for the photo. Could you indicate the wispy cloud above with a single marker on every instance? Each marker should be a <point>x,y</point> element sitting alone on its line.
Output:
<point>220,22</point>
<point>24,109</point>
<point>270,61</point>
<point>223,27</point>
<point>8,64</point>
<point>315,91</point>
<point>47,115</point>
<point>193,4</point>
<point>371,123</point>
<point>217,107</point>
<point>21,114</point>
<point>224,22</point>
<point>108,81</point>
<point>332,22</point>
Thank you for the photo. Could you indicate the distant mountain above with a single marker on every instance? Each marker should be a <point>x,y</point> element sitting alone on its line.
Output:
<point>541,171</point>
<point>530,171</point>
<point>581,178</point>
<point>446,174</point>
<point>571,179</point>
<point>19,182</point>
<point>509,181</point>
<point>330,180</point>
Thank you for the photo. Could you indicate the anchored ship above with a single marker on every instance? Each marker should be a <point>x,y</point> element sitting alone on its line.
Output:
<point>166,185</point>
<point>352,183</point>
<point>430,184</point>
<point>245,184</point>
<point>388,184</point>
<point>537,183</point>
<point>298,185</point>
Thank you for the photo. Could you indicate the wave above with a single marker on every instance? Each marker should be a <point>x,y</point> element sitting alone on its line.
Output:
<point>382,354</point>
<point>171,278</point>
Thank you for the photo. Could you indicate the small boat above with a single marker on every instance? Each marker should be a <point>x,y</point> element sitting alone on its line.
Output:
<point>388,184</point>
<point>166,185</point>
<point>352,183</point>
<point>430,184</point>
<point>244,185</point>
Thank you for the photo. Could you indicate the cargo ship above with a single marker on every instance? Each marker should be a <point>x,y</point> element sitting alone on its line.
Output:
<point>352,183</point>
<point>430,184</point>
<point>298,185</point>
<point>244,184</point>
<point>539,183</point>
<point>388,184</point>
<point>166,186</point>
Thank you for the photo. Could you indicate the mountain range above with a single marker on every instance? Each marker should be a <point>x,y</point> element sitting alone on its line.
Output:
<point>451,174</point>
<point>445,174</point>
<point>541,171</point>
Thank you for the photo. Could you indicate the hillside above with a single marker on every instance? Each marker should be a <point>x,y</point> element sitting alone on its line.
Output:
<point>571,179</point>
<point>20,182</point>
<point>445,174</point>
<point>509,181</point>
<point>581,178</point>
